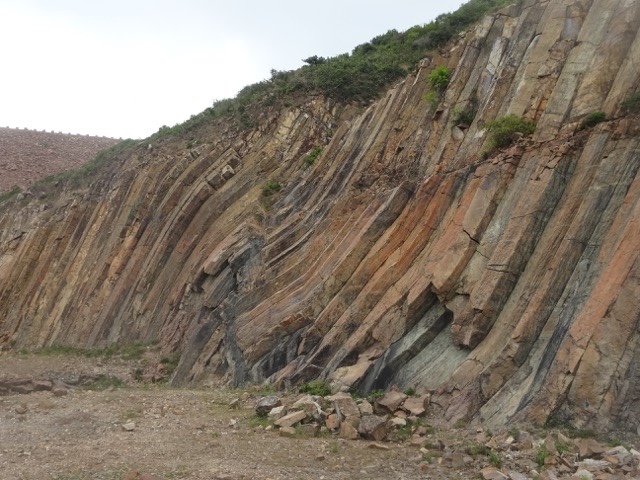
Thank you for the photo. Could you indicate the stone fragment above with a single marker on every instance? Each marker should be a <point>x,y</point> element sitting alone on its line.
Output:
<point>348,431</point>
<point>21,409</point>
<point>291,419</point>
<point>398,422</point>
<point>310,429</point>
<point>373,427</point>
<point>390,402</point>
<point>129,426</point>
<point>589,448</point>
<point>235,403</point>
<point>345,405</point>
<point>278,412</point>
<point>415,405</point>
<point>332,422</point>
<point>583,474</point>
<point>492,473</point>
<point>378,446</point>
<point>365,408</point>
<point>287,432</point>
<point>42,385</point>
<point>593,465</point>
<point>513,475</point>
<point>265,404</point>
<point>618,456</point>
<point>310,406</point>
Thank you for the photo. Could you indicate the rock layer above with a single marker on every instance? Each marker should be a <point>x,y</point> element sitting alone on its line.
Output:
<point>505,284</point>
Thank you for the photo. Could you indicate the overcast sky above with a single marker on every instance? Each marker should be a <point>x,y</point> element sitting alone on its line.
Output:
<point>124,68</point>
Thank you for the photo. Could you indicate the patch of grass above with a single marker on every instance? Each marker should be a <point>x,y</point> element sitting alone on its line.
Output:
<point>541,455</point>
<point>475,449</point>
<point>375,395</point>
<point>133,351</point>
<point>410,392</point>
<point>515,433</point>
<point>504,131</point>
<point>592,119</point>
<point>632,104</point>
<point>104,382</point>
<point>494,459</point>
<point>170,363</point>
<point>562,447</point>
<point>460,423</point>
<point>271,188</point>
<point>316,387</point>
<point>9,194</point>
<point>257,421</point>
<point>403,433</point>
<point>334,447</point>
<point>310,159</point>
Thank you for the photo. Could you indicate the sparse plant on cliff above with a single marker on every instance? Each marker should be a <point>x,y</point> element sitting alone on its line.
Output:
<point>439,78</point>
<point>504,131</point>
<point>270,188</point>
<point>494,458</point>
<point>541,455</point>
<point>464,116</point>
<point>310,159</point>
<point>4,196</point>
<point>592,119</point>
<point>632,104</point>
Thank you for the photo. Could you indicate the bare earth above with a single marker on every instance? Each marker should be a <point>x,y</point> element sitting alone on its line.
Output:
<point>179,434</point>
<point>78,433</point>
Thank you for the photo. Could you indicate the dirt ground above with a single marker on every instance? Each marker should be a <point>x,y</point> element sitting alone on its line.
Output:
<point>178,434</point>
<point>97,430</point>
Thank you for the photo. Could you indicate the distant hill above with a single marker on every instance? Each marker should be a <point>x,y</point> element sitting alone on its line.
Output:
<point>29,155</point>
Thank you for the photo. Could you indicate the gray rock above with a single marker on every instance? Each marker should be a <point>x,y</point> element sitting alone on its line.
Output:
<point>265,404</point>
<point>373,427</point>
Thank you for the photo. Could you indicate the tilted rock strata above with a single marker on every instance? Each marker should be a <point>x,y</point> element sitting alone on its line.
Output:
<point>507,286</point>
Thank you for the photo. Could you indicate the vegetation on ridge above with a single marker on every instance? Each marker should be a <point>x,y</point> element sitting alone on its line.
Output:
<point>359,76</point>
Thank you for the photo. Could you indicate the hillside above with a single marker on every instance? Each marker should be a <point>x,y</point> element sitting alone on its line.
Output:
<point>27,156</point>
<point>418,240</point>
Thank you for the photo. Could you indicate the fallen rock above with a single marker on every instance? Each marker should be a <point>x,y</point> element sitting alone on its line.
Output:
<point>310,429</point>
<point>589,448</point>
<point>21,409</point>
<point>365,408</point>
<point>265,404</point>
<point>416,405</point>
<point>278,412</point>
<point>348,431</point>
<point>345,406</point>
<point>492,473</point>
<point>332,422</point>
<point>373,427</point>
<point>129,426</point>
<point>287,432</point>
<point>291,419</point>
<point>390,402</point>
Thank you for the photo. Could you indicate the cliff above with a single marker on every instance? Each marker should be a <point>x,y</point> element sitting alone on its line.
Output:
<point>506,283</point>
<point>27,156</point>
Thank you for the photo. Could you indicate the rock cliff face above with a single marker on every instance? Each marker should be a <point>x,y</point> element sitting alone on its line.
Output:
<point>507,285</point>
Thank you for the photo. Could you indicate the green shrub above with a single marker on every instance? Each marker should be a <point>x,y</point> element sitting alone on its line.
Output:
<point>632,104</point>
<point>504,131</point>
<point>170,363</point>
<point>270,188</point>
<point>439,78</point>
<point>592,119</point>
<point>541,455</point>
<point>310,159</point>
<point>316,387</point>
<point>410,391</point>
<point>494,459</point>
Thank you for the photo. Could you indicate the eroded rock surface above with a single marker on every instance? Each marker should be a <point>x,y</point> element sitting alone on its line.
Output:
<point>506,286</point>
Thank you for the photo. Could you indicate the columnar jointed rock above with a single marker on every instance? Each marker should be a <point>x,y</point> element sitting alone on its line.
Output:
<point>409,254</point>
